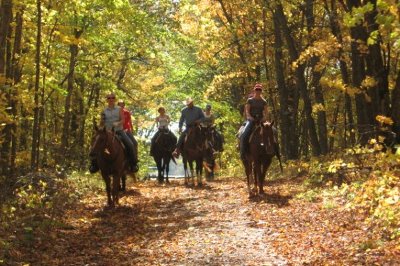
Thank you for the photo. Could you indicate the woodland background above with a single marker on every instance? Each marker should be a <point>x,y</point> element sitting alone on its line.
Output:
<point>330,69</point>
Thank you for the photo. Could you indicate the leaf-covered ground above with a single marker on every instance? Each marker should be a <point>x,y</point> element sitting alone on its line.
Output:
<point>213,225</point>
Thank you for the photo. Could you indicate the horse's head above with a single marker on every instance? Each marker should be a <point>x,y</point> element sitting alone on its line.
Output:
<point>268,137</point>
<point>101,140</point>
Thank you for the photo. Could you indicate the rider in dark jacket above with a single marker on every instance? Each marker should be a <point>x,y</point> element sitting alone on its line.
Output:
<point>190,115</point>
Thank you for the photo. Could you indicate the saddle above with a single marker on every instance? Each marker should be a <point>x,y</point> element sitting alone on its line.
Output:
<point>116,136</point>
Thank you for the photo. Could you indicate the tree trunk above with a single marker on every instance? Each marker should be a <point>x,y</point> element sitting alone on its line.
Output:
<point>36,124</point>
<point>348,110</point>
<point>5,34</point>
<point>16,74</point>
<point>300,81</point>
<point>289,139</point>
<point>315,79</point>
<point>395,104</point>
<point>70,87</point>
<point>364,114</point>
<point>379,93</point>
<point>236,39</point>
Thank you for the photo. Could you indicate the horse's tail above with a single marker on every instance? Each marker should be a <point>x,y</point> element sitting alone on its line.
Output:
<point>173,159</point>
<point>278,155</point>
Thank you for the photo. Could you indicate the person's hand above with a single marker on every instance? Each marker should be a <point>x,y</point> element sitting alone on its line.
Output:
<point>116,124</point>
<point>250,118</point>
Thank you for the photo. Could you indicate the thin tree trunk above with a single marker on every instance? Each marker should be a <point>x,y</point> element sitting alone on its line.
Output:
<point>348,110</point>
<point>301,83</point>
<point>36,124</point>
<point>16,77</point>
<point>70,87</point>
<point>5,34</point>
<point>236,40</point>
<point>315,79</point>
<point>289,141</point>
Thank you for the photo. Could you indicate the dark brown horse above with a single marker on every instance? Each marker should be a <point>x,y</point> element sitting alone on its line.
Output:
<point>162,153</point>
<point>112,161</point>
<point>192,152</point>
<point>212,145</point>
<point>262,148</point>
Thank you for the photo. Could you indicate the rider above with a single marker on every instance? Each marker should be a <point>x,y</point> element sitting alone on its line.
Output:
<point>191,115</point>
<point>162,122</point>
<point>255,109</point>
<point>128,127</point>
<point>208,121</point>
<point>112,118</point>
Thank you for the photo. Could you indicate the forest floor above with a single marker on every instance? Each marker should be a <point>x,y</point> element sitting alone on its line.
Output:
<point>216,224</point>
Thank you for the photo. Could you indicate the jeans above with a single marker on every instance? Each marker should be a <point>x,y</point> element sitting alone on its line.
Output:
<point>244,138</point>
<point>129,144</point>
<point>181,139</point>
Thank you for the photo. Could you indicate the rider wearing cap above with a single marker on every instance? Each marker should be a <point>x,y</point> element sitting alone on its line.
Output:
<point>256,109</point>
<point>190,115</point>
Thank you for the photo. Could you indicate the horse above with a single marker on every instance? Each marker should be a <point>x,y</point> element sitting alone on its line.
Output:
<point>213,144</point>
<point>112,161</point>
<point>162,153</point>
<point>192,151</point>
<point>258,158</point>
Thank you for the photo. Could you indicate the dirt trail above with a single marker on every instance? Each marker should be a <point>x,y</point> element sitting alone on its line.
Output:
<point>213,225</point>
<point>163,225</point>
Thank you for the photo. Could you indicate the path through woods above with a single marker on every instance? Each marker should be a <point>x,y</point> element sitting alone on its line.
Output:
<point>214,225</point>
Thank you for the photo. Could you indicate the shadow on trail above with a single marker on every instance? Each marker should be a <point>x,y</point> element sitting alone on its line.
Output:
<point>273,198</point>
<point>129,230</point>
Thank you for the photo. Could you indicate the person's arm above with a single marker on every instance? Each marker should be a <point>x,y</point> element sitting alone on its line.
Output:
<point>168,119</point>
<point>266,113</point>
<point>247,111</point>
<point>212,119</point>
<point>157,121</point>
<point>200,116</point>
<point>181,120</point>
<point>130,121</point>
<point>102,119</point>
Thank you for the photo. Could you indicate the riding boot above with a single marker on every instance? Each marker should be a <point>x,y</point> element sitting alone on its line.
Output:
<point>94,167</point>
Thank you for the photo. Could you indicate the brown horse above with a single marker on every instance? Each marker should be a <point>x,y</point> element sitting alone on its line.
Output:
<point>212,145</point>
<point>163,147</point>
<point>262,148</point>
<point>192,151</point>
<point>112,161</point>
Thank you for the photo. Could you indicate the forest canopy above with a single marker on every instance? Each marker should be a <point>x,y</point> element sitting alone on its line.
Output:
<point>330,70</point>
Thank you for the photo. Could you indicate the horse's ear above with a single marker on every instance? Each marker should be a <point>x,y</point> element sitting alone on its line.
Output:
<point>104,129</point>
<point>272,123</point>
<point>96,128</point>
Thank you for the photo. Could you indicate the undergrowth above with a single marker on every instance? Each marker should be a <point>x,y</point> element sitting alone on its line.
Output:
<point>36,203</point>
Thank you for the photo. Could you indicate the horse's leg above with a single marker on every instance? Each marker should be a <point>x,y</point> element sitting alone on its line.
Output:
<point>115,189</point>
<point>199,172</point>
<point>261,176</point>
<point>107,180</point>
<point>191,171</point>
<point>122,186</point>
<point>159,170</point>
<point>167,160</point>
<point>255,176</point>
<point>212,169</point>
<point>266,165</point>
<point>247,168</point>
<point>186,171</point>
